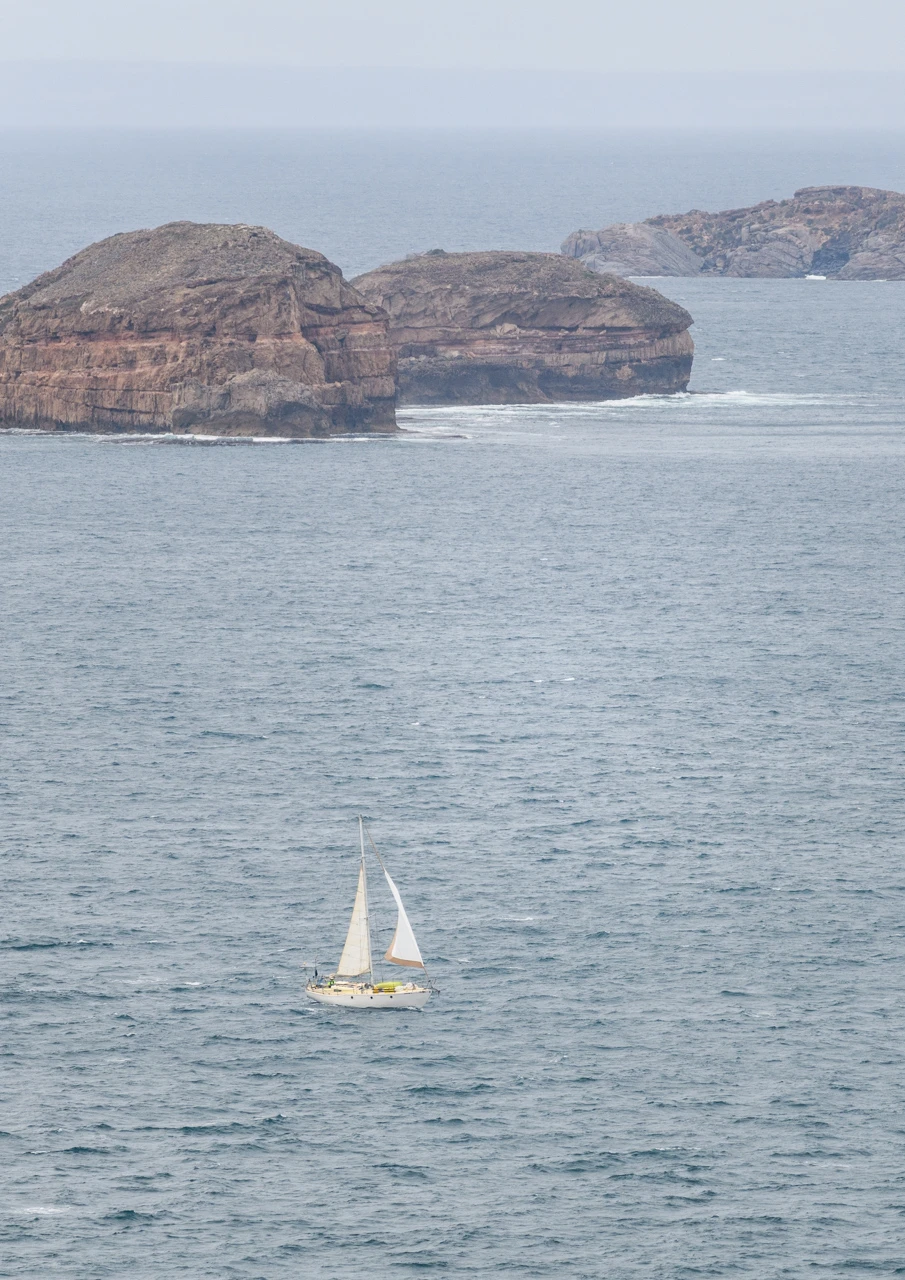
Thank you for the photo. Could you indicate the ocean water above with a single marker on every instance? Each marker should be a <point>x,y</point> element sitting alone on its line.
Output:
<point>364,198</point>
<point>622,690</point>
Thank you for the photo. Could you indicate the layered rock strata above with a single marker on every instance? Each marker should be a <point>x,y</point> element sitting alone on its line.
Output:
<point>522,328</point>
<point>195,328</point>
<point>843,233</point>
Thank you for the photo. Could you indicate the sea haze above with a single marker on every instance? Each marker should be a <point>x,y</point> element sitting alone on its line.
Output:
<point>367,197</point>
<point>620,686</point>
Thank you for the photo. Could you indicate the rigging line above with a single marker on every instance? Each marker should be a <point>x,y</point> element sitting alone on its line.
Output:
<point>374,847</point>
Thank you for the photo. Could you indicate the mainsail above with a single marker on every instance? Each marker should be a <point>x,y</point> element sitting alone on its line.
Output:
<point>356,956</point>
<point>403,948</point>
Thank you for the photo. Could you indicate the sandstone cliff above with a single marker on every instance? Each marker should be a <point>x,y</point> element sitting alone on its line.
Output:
<point>195,328</point>
<point>511,328</point>
<point>847,233</point>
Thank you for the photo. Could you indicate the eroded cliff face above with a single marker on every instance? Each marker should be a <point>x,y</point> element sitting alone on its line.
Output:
<point>846,233</point>
<point>522,328</point>
<point>195,328</point>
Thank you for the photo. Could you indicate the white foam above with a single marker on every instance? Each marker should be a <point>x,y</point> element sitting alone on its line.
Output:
<point>42,1209</point>
<point>471,416</point>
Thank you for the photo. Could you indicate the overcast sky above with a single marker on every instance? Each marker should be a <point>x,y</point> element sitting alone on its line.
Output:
<point>587,34</point>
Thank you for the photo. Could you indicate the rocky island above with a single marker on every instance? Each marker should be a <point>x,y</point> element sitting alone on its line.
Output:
<point>196,328</point>
<point>521,328</point>
<point>843,233</point>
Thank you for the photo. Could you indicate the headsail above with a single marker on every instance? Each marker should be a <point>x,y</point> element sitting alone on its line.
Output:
<point>403,949</point>
<point>356,956</point>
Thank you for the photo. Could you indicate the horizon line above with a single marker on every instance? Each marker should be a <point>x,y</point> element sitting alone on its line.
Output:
<point>433,68</point>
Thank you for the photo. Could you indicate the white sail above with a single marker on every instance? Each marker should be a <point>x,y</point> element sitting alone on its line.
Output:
<point>403,948</point>
<point>356,956</point>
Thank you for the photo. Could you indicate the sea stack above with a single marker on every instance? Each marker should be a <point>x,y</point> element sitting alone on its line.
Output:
<point>842,233</point>
<point>196,329</point>
<point>523,328</point>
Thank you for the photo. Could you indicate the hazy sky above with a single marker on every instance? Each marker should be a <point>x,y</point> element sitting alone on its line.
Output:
<point>586,34</point>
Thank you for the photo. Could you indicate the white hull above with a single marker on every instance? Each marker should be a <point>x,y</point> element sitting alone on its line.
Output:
<point>359,997</point>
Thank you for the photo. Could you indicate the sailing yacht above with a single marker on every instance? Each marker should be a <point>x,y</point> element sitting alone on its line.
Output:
<point>353,985</point>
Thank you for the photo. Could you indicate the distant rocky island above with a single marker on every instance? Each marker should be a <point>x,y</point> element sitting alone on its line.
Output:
<point>522,328</point>
<point>843,233</point>
<point>229,330</point>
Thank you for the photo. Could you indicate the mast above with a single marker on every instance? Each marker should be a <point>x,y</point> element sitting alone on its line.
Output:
<point>364,881</point>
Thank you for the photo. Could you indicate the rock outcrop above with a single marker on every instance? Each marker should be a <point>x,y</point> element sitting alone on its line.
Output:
<point>195,328</point>
<point>633,249</point>
<point>522,328</point>
<point>846,233</point>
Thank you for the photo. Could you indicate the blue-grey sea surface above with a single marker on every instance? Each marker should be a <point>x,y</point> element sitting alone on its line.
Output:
<point>621,689</point>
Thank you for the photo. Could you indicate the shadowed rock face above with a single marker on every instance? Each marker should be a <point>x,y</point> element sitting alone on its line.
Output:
<point>522,328</point>
<point>847,233</point>
<point>195,328</point>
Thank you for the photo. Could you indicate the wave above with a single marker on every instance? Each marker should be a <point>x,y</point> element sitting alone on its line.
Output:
<point>168,437</point>
<point>41,1210</point>
<point>48,944</point>
<point>132,1215</point>
<point>437,417</point>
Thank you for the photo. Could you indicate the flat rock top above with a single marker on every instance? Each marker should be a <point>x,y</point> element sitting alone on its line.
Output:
<point>169,277</point>
<point>526,290</point>
<point>824,207</point>
<point>126,268</point>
